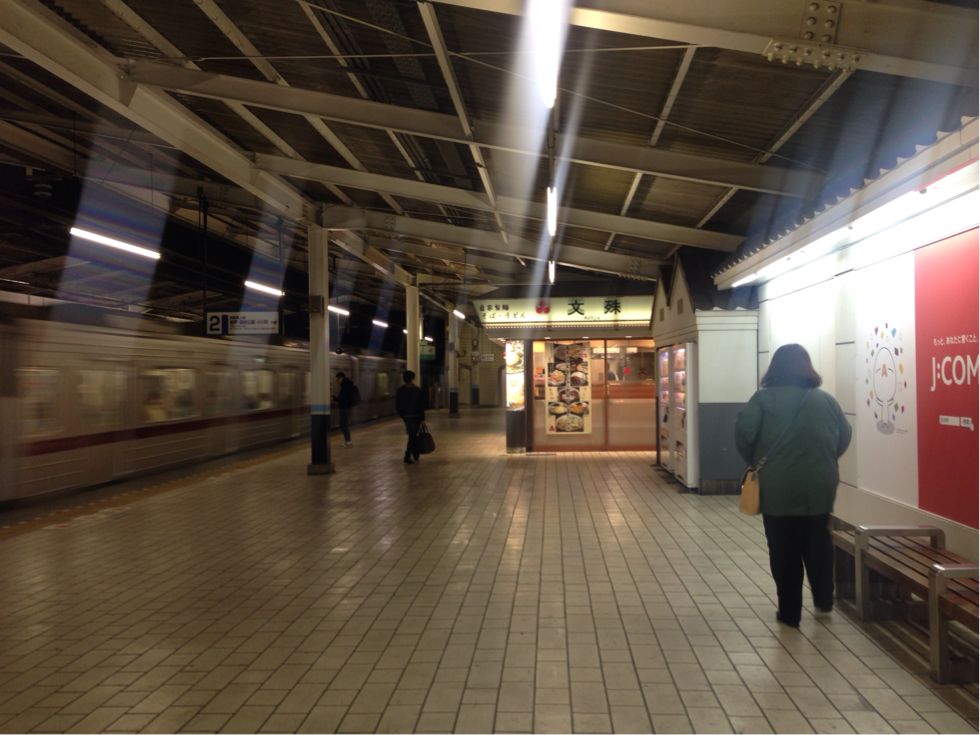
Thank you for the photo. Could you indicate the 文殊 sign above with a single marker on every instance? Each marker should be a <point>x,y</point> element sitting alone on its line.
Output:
<point>567,311</point>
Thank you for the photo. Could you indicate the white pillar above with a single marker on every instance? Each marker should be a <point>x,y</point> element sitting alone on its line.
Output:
<point>414,328</point>
<point>453,365</point>
<point>319,272</point>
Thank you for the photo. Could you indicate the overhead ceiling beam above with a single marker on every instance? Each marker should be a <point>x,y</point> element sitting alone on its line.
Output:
<point>824,94</point>
<point>162,44</point>
<point>499,266</point>
<point>910,38</point>
<point>431,21</point>
<point>52,43</point>
<point>346,218</point>
<point>467,199</point>
<point>668,105</point>
<point>411,121</point>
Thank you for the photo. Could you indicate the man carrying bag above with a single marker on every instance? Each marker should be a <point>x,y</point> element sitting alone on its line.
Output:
<point>410,405</point>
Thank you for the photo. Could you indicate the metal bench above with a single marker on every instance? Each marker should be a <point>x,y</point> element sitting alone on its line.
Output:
<point>916,560</point>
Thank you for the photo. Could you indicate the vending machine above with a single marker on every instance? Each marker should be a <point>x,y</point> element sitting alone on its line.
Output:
<point>665,454</point>
<point>683,379</point>
<point>677,411</point>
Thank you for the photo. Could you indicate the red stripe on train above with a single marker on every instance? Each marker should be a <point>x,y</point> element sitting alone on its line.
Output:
<point>68,443</point>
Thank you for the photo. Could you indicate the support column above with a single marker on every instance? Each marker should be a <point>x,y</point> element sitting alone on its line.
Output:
<point>320,463</point>
<point>414,329</point>
<point>453,364</point>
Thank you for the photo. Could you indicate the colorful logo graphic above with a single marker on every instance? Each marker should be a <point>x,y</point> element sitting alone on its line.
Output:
<point>886,378</point>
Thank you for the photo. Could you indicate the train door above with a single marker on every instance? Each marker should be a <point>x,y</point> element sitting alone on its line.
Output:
<point>8,407</point>
<point>219,407</point>
<point>98,393</point>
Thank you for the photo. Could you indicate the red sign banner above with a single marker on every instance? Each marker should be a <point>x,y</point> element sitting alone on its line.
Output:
<point>947,303</point>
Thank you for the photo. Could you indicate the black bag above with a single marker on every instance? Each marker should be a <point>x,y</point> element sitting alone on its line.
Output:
<point>355,396</point>
<point>424,442</point>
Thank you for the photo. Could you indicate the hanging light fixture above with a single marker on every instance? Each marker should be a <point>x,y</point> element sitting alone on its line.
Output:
<point>551,272</point>
<point>113,243</point>
<point>256,286</point>
<point>552,211</point>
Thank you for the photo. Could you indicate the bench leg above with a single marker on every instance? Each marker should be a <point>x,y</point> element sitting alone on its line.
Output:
<point>939,662</point>
<point>862,584</point>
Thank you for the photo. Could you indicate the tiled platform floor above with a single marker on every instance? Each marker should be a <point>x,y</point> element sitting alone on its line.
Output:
<point>474,592</point>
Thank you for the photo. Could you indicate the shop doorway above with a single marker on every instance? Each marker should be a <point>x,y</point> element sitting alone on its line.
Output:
<point>591,395</point>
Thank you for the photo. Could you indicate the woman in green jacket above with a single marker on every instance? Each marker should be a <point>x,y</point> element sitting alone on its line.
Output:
<point>800,431</point>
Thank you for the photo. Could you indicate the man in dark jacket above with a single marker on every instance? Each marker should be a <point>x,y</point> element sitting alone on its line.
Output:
<point>410,405</point>
<point>345,399</point>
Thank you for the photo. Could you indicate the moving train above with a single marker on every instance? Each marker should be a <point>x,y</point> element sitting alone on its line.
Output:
<point>88,397</point>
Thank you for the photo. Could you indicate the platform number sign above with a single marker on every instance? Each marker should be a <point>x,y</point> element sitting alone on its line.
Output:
<point>220,323</point>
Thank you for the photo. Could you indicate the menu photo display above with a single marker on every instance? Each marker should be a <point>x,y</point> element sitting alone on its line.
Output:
<point>569,392</point>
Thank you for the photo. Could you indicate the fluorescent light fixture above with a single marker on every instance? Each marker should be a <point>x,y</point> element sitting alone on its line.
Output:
<point>745,279</point>
<point>458,313</point>
<point>428,339</point>
<point>255,286</point>
<point>112,243</point>
<point>548,23</point>
<point>551,271</point>
<point>379,323</point>
<point>338,310</point>
<point>552,211</point>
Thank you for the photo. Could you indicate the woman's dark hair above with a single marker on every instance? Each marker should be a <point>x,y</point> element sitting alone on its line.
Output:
<point>341,374</point>
<point>791,366</point>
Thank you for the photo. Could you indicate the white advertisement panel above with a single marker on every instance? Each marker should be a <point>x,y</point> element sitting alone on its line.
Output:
<point>885,423</point>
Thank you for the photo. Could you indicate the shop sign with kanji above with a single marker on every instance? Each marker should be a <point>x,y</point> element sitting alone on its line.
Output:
<point>566,310</point>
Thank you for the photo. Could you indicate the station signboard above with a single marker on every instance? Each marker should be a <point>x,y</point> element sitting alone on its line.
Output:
<point>221,323</point>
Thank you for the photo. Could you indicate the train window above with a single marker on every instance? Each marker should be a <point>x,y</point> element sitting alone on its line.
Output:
<point>218,401</point>
<point>287,386</point>
<point>257,387</point>
<point>38,388</point>
<point>382,388</point>
<point>101,397</point>
<point>168,394</point>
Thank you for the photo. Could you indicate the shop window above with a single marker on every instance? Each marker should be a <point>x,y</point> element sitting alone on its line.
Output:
<point>168,394</point>
<point>101,398</point>
<point>257,387</point>
<point>38,388</point>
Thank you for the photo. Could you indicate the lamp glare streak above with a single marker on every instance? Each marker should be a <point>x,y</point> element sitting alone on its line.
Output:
<point>338,310</point>
<point>551,271</point>
<point>113,243</point>
<point>552,211</point>
<point>255,286</point>
<point>547,19</point>
<point>747,279</point>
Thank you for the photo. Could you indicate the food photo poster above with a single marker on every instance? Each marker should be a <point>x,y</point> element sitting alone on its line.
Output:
<point>569,391</point>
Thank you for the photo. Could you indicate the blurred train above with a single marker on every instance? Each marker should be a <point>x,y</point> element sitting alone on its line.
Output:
<point>94,397</point>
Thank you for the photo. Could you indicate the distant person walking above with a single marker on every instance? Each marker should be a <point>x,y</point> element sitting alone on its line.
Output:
<point>346,398</point>
<point>410,405</point>
<point>806,432</point>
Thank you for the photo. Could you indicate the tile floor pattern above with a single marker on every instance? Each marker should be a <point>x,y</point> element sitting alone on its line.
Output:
<point>474,592</point>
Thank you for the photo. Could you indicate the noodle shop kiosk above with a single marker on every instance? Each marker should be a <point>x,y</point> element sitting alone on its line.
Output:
<point>579,371</point>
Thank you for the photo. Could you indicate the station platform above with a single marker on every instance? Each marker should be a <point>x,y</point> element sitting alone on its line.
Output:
<point>473,592</point>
